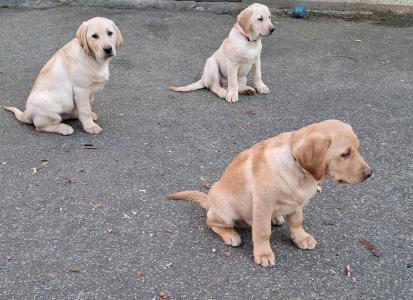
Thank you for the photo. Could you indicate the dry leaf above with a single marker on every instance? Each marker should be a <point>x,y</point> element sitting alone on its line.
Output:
<point>89,146</point>
<point>227,253</point>
<point>96,205</point>
<point>140,274</point>
<point>250,113</point>
<point>109,230</point>
<point>8,257</point>
<point>36,169</point>
<point>73,270</point>
<point>168,230</point>
<point>163,295</point>
<point>373,250</point>
<point>357,41</point>
<point>51,275</point>
<point>205,185</point>
<point>346,270</point>
<point>67,180</point>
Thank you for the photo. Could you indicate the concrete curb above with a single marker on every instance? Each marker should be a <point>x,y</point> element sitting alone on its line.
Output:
<point>214,7</point>
<point>139,4</point>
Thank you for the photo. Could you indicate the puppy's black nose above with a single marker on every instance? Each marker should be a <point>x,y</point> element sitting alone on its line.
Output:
<point>367,173</point>
<point>108,49</point>
<point>272,29</point>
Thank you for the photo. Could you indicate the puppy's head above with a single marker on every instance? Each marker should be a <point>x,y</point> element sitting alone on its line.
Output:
<point>99,37</point>
<point>255,21</point>
<point>330,150</point>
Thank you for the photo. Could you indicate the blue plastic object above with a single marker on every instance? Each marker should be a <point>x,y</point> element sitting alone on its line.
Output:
<point>299,11</point>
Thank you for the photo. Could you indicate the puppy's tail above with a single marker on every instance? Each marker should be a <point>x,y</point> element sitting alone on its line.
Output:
<point>21,116</point>
<point>191,87</point>
<point>194,196</point>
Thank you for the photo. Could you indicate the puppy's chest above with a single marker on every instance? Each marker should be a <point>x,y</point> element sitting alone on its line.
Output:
<point>291,201</point>
<point>98,81</point>
<point>248,55</point>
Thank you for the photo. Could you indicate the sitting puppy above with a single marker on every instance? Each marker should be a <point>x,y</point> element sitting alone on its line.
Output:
<point>276,178</point>
<point>240,51</point>
<point>66,85</point>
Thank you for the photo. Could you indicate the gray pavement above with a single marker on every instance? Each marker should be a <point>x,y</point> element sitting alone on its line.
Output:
<point>156,142</point>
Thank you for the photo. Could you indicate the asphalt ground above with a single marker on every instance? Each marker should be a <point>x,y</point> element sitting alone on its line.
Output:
<point>57,242</point>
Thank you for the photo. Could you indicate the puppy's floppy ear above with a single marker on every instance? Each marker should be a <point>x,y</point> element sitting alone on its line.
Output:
<point>81,36</point>
<point>119,38</point>
<point>244,20</point>
<point>310,151</point>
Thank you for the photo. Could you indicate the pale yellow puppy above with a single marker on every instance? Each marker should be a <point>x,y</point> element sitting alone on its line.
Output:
<point>277,178</point>
<point>239,52</point>
<point>66,86</point>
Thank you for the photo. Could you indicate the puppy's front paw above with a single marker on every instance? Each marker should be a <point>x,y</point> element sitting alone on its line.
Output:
<point>263,89</point>
<point>94,116</point>
<point>305,241</point>
<point>234,240</point>
<point>264,258</point>
<point>232,97</point>
<point>277,220</point>
<point>94,129</point>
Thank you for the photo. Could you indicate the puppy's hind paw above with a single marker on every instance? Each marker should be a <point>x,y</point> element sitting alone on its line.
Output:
<point>305,241</point>
<point>235,241</point>
<point>247,91</point>
<point>277,220</point>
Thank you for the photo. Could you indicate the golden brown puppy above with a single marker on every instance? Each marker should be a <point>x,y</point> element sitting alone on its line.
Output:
<point>276,178</point>
<point>240,51</point>
<point>66,85</point>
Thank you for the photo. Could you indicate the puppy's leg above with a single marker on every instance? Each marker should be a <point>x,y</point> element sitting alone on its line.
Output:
<point>211,77</point>
<point>85,111</point>
<point>224,229</point>
<point>261,232</point>
<point>232,71</point>
<point>51,123</point>
<point>243,88</point>
<point>91,100</point>
<point>302,239</point>
<point>256,74</point>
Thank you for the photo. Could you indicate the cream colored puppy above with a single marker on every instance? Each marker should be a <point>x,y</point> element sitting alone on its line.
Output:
<point>66,85</point>
<point>239,52</point>
<point>277,178</point>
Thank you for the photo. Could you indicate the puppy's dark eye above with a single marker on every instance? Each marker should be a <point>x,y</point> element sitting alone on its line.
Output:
<point>346,154</point>
<point>260,18</point>
<point>95,36</point>
<point>110,33</point>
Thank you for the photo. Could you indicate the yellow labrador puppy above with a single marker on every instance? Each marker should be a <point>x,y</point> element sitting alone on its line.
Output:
<point>240,51</point>
<point>66,85</point>
<point>276,178</point>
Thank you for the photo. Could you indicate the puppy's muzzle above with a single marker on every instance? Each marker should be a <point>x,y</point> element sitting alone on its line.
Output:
<point>367,173</point>
<point>108,51</point>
